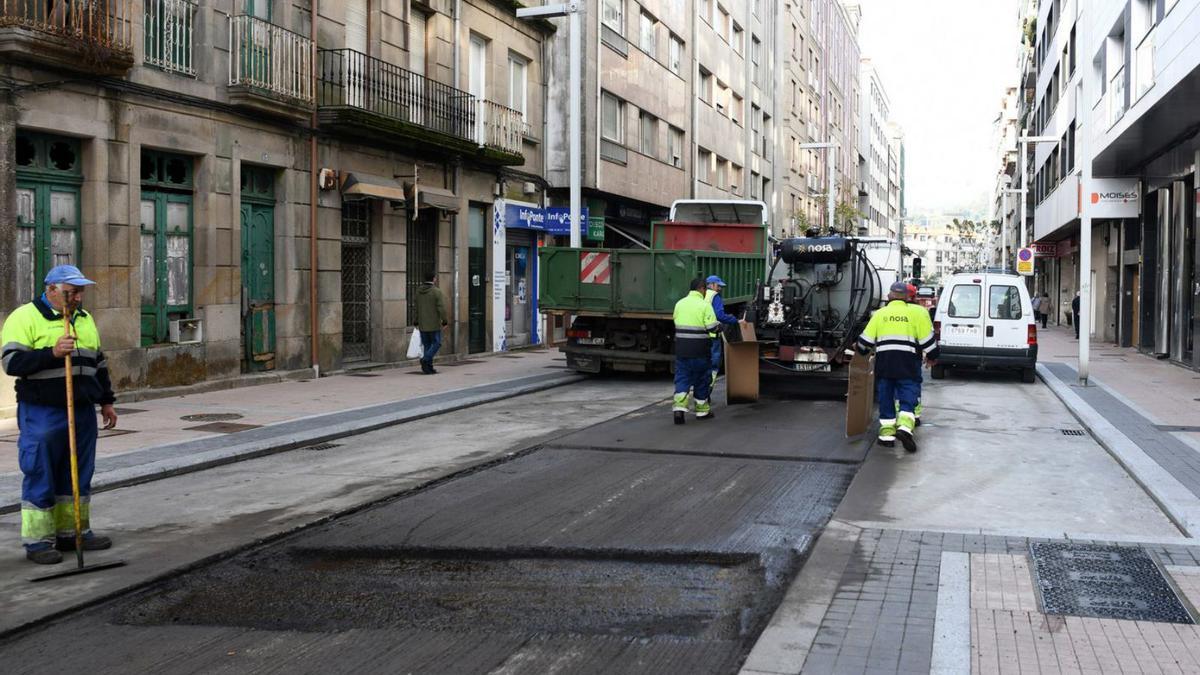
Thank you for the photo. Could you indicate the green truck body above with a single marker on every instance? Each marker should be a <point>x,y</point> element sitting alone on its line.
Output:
<point>622,299</point>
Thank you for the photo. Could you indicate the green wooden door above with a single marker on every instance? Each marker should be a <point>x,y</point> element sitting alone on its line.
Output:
<point>258,285</point>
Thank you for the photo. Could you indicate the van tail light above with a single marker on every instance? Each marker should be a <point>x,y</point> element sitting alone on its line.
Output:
<point>576,333</point>
<point>937,330</point>
<point>1032,334</point>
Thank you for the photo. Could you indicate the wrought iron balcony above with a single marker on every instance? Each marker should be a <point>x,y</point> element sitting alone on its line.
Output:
<point>168,26</point>
<point>270,67</point>
<point>93,36</point>
<point>361,95</point>
<point>500,127</point>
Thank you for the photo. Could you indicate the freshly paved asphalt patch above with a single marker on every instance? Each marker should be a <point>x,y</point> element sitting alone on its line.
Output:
<point>567,559</point>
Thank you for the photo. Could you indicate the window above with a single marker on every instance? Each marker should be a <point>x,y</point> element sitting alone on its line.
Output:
<point>648,38</point>
<point>706,86</point>
<point>260,9</point>
<point>613,15</point>
<point>703,165</point>
<point>675,147</point>
<point>166,242</point>
<point>649,134</point>
<point>706,10</point>
<point>964,301</point>
<point>766,137</point>
<point>675,55</point>
<point>735,178</point>
<point>736,109</point>
<point>756,127</point>
<point>49,173</point>
<point>738,36</point>
<point>518,78</point>
<point>722,98</point>
<point>612,115</point>
<point>722,174</point>
<point>1004,302</point>
<point>755,193</point>
<point>723,24</point>
<point>755,57</point>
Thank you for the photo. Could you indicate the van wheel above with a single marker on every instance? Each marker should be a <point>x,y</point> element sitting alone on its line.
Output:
<point>1029,376</point>
<point>938,372</point>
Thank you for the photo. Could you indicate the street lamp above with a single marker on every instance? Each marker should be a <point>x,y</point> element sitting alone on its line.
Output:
<point>1025,141</point>
<point>573,10</point>
<point>831,146</point>
<point>1004,193</point>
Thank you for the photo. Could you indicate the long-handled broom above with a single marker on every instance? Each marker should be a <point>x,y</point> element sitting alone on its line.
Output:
<point>80,568</point>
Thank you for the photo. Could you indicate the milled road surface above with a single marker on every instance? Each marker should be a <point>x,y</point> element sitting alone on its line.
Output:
<point>631,546</point>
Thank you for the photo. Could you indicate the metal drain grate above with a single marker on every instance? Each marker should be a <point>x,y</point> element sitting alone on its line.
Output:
<point>322,446</point>
<point>1106,582</point>
<point>1072,432</point>
<point>211,417</point>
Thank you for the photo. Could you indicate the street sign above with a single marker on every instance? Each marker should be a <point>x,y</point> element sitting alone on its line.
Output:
<point>1025,261</point>
<point>595,228</point>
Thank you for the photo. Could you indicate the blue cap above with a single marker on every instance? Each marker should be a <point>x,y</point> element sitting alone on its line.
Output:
<point>714,279</point>
<point>900,287</point>
<point>67,274</point>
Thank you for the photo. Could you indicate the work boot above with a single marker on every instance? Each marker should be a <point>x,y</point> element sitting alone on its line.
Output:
<point>889,443</point>
<point>907,439</point>
<point>43,556</point>
<point>680,417</point>
<point>91,542</point>
<point>703,410</point>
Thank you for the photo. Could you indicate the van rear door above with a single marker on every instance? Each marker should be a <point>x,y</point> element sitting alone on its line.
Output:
<point>962,318</point>
<point>1008,318</point>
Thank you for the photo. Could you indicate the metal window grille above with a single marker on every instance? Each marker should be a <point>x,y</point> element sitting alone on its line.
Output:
<point>270,58</point>
<point>421,256</point>
<point>356,281</point>
<point>169,25</point>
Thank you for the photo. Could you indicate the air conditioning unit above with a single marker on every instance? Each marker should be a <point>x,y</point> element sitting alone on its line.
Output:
<point>186,331</point>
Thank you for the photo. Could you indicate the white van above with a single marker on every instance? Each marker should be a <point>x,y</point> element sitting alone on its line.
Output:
<point>985,321</point>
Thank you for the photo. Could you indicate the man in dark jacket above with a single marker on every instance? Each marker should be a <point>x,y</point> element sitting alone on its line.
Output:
<point>35,347</point>
<point>431,319</point>
<point>1075,313</point>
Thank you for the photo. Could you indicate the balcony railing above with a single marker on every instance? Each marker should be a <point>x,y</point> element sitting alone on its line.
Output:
<point>96,25</point>
<point>500,127</point>
<point>1144,66</point>
<point>352,79</point>
<point>169,25</point>
<point>270,59</point>
<point>1115,98</point>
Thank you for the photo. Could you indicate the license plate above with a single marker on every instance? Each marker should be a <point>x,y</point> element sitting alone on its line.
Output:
<point>590,341</point>
<point>963,330</point>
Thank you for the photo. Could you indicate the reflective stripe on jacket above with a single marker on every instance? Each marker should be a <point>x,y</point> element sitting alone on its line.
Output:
<point>718,305</point>
<point>694,320</point>
<point>28,338</point>
<point>899,334</point>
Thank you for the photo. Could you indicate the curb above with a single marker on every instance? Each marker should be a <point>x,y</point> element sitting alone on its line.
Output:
<point>1176,501</point>
<point>237,452</point>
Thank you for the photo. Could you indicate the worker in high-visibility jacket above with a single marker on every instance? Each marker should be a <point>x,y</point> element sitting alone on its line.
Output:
<point>899,340</point>
<point>694,321</point>
<point>714,285</point>
<point>35,345</point>
<point>911,299</point>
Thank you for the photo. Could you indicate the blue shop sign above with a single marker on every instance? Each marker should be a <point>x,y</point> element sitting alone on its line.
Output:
<point>552,220</point>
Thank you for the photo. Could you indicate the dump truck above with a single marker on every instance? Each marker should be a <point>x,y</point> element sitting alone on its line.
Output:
<point>622,299</point>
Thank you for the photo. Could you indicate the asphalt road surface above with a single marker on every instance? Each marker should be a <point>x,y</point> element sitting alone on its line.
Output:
<point>630,546</point>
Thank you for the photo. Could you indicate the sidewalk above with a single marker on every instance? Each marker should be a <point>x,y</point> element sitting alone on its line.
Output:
<point>163,437</point>
<point>1142,410</point>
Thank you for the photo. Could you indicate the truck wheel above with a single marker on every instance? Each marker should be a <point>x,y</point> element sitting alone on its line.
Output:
<point>938,372</point>
<point>1029,376</point>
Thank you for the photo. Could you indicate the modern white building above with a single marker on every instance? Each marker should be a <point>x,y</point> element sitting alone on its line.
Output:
<point>874,153</point>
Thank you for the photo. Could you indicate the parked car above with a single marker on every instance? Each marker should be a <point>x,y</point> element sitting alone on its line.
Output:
<point>927,297</point>
<point>985,321</point>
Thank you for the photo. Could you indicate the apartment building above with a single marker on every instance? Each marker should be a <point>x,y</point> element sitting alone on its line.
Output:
<point>252,203</point>
<point>1006,200</point>
<point>897,208</point>
<point>876,155</point>
<point>818,102</point>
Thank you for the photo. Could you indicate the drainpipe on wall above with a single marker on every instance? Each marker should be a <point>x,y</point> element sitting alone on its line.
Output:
<point>692,93</point>
<point>313,170</point>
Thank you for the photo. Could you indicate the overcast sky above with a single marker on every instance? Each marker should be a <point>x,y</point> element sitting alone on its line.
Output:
<point>944,64</point>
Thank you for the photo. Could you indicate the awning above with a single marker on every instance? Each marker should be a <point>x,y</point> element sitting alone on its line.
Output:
<point>438,198</point>
<point>366,186</point>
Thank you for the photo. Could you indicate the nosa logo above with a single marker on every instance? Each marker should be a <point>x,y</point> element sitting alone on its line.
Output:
<point>1130,196</point>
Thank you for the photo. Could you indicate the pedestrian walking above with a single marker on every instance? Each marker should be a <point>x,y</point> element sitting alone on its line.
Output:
<point>694,322</point>
<point>431,319</point>
<point>35,346</point>
<point>1036,302</point>
<point>1044,309</point>
<point>1075,314</point>
<point>899,340</point>
<point>714,285</point>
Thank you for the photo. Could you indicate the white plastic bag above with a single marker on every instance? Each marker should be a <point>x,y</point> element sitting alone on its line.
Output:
<point>415,349</point>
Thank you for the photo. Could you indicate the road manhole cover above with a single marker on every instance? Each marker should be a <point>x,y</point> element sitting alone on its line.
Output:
<point>1106,582</point>
<point>211,417</point>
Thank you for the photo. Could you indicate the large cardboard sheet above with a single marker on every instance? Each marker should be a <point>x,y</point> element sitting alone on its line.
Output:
<point>860,395</point>
<point>741,366</point>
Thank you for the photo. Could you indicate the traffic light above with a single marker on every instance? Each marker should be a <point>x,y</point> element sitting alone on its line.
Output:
<point>916,268</point>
